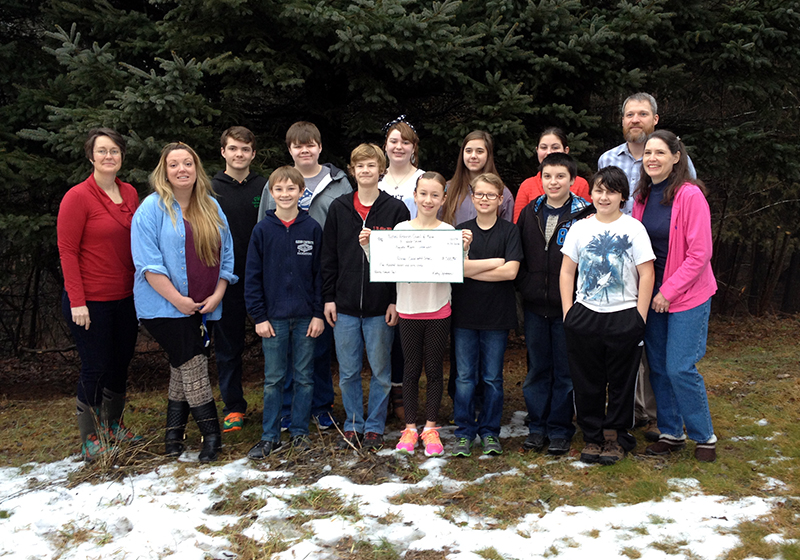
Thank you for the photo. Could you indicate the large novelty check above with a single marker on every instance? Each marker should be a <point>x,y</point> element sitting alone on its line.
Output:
<point>416,256</point>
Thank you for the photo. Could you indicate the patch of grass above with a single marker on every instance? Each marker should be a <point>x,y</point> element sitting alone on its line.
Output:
<point>789,551</point>
<point>427,554</point>
<point>72,535</point>
<point>503,498</point>
<point>351,510</point>
<point>246,548</point>
<point>4,514</point>
<point>570,542</point>
<point>489,553</point>
<point>430,496</point>
<point>751,540</point>
<point>409,470</point>
<point>323,500</point>
<point>450,513</point>
<point>235,501</point>
<point>326,502</point>
<point>631,552</point>
<point>350,549</point>
<point>390,518</point>
<point>594,533</point>
<point>669,546</point>
<point>551,551</point>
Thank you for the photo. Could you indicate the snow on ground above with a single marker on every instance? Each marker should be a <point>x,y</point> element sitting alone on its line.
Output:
<point>157,515</point>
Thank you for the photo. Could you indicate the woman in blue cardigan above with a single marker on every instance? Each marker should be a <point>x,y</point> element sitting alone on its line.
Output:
<point>183,253</point>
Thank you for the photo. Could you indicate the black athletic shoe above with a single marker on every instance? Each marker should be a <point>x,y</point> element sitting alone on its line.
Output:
<point>350,440</point>
<point>373,441</point>
<point>301,443</point>
<point>558,446</point>
<point>534,442</point>
<point>262,449</point>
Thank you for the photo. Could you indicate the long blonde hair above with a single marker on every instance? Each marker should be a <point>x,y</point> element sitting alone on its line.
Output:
<point>201,213</point>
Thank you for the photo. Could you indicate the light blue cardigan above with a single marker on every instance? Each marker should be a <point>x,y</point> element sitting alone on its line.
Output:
<point>159,246</point>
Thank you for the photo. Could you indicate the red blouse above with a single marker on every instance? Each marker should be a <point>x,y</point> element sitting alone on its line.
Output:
<point>94,242</point>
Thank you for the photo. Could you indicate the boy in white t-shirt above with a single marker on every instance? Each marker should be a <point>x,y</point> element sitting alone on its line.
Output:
<point>604,316</point>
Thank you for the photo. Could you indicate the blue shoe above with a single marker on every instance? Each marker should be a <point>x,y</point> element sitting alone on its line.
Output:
<point>324,420</point>
<point>286,421</point>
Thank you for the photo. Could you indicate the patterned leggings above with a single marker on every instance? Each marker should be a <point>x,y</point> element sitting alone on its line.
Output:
<point>424,340</point>
<point>189,382</point>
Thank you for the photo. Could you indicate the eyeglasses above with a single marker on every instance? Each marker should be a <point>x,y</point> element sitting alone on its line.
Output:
<point>102,152</point>
<point>486,195</point>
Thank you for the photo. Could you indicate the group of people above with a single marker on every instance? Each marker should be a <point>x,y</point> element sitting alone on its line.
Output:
<point>601,267</point>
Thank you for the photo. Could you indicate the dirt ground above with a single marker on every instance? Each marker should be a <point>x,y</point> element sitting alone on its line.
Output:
<point>52,375</point>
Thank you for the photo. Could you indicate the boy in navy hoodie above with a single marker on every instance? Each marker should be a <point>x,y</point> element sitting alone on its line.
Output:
<point>362,313</point>
<point>324,184</point>
<point>283,292</point>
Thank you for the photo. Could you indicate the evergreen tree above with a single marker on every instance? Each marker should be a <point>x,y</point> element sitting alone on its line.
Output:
<point>164,70</point>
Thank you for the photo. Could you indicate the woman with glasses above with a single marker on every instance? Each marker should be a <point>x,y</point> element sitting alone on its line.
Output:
<point>94,243</point>
<point>183,252</point>
<point>476,157</point>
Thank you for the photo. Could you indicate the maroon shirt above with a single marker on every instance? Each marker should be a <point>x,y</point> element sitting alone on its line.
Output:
<point>202,279</point>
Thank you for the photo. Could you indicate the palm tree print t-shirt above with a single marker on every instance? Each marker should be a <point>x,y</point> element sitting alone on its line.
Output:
<point>607,256</point>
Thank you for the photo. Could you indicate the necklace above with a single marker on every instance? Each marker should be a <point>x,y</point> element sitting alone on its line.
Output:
<point>401,181</point>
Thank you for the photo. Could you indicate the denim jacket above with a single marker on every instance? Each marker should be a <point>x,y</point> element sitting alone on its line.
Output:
<point>159,247</point>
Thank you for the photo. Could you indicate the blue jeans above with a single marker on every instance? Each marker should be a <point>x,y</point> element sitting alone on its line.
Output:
<point>479,355</point>
<point>323,381</point>
<point>352,335</point>
<point>289,333</point>
<point>674,343</point>
<point>106,349</point>
<point>548,386</point>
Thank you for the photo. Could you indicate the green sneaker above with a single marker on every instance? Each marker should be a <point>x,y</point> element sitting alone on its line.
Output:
<point>463,448</point>
<point>491,446</point>
<point>233,422</point>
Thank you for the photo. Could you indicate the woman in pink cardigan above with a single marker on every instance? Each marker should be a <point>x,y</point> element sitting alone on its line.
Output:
<point>673,208</point>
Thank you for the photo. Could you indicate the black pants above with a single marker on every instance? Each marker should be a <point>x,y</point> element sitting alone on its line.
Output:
<point>229,334</point>
<point>106,349</point>
<point>424,341</point>
<point>604,351</point>
<point>180,337</point>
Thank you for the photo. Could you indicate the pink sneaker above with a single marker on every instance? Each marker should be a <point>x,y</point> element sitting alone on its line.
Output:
<point>408,441</point>
<point>433,445</point>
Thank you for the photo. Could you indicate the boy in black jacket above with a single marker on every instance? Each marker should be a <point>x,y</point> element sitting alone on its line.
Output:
<point>361,313</point>
<point>238,191</point>
<point>283,291</point>
<point>543,225</point>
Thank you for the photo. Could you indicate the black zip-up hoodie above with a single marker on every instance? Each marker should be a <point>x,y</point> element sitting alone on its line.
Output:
<point>345,269</point>
<point>539,271</point>
<point>239,202</point>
